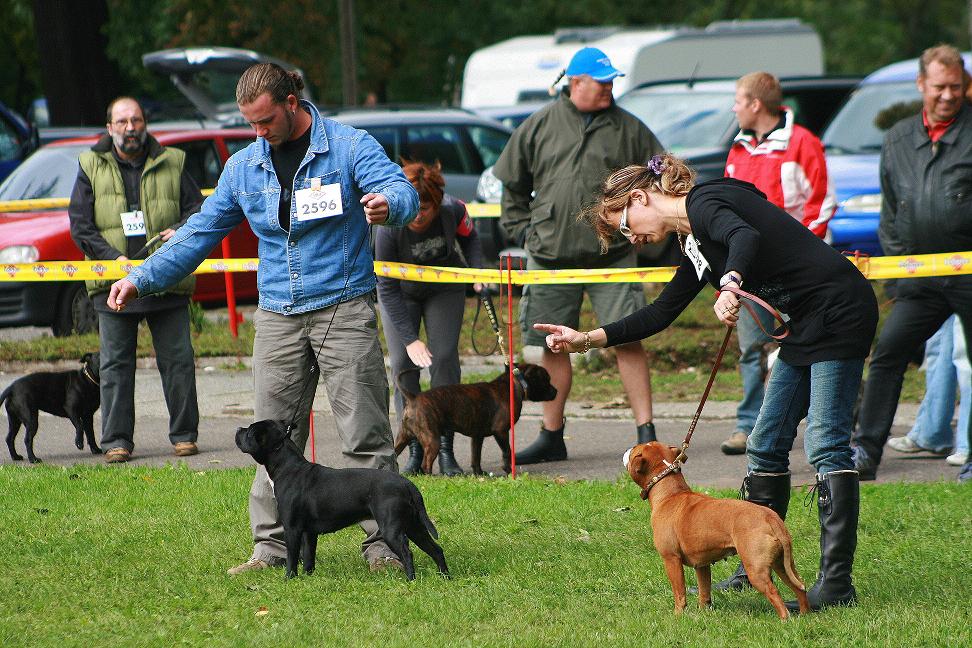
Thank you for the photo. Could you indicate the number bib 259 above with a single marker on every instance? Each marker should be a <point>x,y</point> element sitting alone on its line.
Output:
<point>319,203</point>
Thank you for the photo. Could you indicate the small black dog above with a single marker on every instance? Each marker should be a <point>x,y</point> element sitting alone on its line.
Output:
<point>314,499</point>
<point>74,395</point>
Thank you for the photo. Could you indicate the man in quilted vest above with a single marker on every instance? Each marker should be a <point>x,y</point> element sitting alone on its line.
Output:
<point>131,190</point>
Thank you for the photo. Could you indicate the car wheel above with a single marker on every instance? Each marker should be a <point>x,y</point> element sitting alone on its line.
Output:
<point>75,312</point>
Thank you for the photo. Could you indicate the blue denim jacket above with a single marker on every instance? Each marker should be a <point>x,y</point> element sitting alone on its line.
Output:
<point>317,263</point>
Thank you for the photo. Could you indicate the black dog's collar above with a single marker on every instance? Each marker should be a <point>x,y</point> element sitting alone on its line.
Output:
<point>520,380</point>
<point>87,374</point>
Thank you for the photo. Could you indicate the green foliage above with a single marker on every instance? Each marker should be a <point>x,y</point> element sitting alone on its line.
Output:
<point>19,75</point>
<point>416,52</point>
<point>121,556</point>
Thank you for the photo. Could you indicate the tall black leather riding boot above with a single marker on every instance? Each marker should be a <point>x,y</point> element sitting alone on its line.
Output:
<point>646,433</point>
<point>838,507</point>
<point>415,454</point>
<point>549,446</point>
<point>766,490</point>
<point>448,465</point>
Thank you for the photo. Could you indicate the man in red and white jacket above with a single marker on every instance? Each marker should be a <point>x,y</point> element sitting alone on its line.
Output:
<point>783,159</point>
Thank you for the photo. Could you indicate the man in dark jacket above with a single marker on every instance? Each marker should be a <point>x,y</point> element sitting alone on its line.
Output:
<point>130,191</point>
<point>926,207</point>
<point>552,167</point>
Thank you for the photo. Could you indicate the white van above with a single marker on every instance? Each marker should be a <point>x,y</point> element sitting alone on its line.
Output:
<point>523,68</point>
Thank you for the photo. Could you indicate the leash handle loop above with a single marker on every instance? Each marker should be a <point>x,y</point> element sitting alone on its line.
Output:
<point>739,292</point>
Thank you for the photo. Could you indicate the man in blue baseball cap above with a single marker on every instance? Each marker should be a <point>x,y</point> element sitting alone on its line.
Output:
<point>552,167</point>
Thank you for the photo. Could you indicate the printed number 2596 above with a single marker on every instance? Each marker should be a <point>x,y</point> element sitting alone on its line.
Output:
<point>320,206</point>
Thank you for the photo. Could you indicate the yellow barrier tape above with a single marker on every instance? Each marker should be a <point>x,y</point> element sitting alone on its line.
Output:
<point>37,204</point>
<point>924,265</point>
<point>483,210</point>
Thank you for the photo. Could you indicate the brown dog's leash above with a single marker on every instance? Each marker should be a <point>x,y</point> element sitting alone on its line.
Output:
<point>682,455</point>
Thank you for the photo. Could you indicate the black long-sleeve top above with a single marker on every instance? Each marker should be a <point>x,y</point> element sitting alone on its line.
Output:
<point>831,307</point>
<point>437,247</point>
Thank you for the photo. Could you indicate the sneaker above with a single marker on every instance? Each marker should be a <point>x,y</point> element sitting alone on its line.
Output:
<point>186,449</point>
<point>383,563</point>
<point>253,564</point>
<point>735,444</point>
<point>957,459</point>
<point>965,475</point>
<point>906,445</point>
<point>117,455</point>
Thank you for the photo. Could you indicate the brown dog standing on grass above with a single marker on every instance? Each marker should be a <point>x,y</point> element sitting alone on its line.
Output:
<point>697,530</point>
<point>478,410</point>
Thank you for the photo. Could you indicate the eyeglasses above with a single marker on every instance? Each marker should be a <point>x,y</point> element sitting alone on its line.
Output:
<point>623,224</point>
<point>134,121</point>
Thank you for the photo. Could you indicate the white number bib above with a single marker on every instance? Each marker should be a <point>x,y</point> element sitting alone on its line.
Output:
<point>695,255</point>
<point>133,223</point>
<point>320,201</point>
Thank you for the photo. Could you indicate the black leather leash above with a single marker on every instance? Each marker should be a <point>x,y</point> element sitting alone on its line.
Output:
<point>315,365</point>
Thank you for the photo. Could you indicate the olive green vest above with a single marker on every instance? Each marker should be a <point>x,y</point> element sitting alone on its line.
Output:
<point>159,202</point>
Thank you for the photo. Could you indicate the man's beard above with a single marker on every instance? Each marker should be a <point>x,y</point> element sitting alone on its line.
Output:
<point>130,142</point>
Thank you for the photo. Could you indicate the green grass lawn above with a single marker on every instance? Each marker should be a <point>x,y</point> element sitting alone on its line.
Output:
<point>120,556</point>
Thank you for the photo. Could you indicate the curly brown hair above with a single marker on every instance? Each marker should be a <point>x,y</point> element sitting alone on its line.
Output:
<point>427,180</point>
<point>675,179</point>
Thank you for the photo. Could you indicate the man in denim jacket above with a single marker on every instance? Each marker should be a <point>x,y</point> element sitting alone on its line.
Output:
<point>309,187</point>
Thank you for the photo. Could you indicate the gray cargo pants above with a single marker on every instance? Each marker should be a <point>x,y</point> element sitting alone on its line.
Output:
<point>353,370</point>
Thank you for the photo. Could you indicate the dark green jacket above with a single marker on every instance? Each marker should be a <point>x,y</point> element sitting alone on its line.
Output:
<point>926,188</point>
<point>159,198</point>
<point>565,161</point>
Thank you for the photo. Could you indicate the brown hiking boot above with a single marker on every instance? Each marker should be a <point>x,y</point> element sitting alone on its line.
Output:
<point>383,563</point>
<point>186,449</point>
<point>117,455</point>
<point>735,444</point>
<point>253,564</point>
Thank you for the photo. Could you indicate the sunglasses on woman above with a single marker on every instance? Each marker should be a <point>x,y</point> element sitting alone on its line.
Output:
<point>623,224</point>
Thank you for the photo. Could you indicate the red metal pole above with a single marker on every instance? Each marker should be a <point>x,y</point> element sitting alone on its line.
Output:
<point>234,317</point>
<point>509,329</point>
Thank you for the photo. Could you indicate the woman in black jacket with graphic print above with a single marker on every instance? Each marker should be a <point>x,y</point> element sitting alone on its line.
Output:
<point>441,235</point>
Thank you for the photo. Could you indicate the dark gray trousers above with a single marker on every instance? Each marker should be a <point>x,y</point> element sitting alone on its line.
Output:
<point>174,357</point>
<point>442,314</point>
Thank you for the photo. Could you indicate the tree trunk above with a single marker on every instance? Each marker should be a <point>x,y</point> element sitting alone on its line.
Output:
<point>78,79</point>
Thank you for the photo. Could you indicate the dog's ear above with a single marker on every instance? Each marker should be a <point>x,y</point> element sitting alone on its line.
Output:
<point>86,358</point>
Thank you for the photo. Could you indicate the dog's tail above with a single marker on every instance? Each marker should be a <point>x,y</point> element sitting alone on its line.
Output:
<point>419,505</point>
<point>785,539</point>
<point>5,393</point>
<point>398,383</point>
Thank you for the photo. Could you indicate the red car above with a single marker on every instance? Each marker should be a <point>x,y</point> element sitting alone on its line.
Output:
<point>44,235</point>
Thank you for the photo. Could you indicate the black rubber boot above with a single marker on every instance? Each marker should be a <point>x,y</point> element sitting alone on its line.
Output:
<point>415,453</point>
<point>766,490</point>
<point>838,507</point>
<point>549,446</point>
<point>448,465</point>
<point>646,433</point>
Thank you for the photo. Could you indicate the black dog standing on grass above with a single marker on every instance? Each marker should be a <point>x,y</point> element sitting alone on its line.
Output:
<point>314,499</point>
<point>74,395</point>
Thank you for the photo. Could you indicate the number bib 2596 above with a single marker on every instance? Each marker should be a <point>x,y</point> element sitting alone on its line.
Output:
<point>319,203</point>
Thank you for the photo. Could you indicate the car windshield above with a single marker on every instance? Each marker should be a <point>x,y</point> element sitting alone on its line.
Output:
<point>48,173</point>
<point>684,120</point>
<point>860,125</point>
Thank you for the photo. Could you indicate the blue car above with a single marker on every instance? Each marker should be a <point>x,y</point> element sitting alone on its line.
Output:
<point>853,142</point>
<point>15,140</point>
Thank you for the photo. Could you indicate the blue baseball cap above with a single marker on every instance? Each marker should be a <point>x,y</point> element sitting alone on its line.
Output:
<point>593,62</point>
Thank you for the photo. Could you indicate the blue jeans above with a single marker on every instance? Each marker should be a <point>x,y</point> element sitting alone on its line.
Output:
<point>946,367</point>
<point>752,365</point>
<point>824,393</point>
